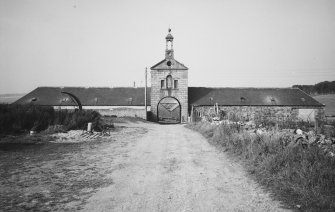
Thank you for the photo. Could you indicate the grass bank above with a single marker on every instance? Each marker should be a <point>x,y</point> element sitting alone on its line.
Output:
<point>296,175</point>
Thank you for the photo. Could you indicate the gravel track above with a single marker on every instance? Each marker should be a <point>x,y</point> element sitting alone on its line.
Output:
<point>172,168</point>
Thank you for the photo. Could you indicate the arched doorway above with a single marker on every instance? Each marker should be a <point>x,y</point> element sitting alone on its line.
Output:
<point>168,111</point>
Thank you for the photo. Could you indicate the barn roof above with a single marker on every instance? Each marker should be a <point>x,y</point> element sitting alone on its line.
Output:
<point>250,97</point>
<point>122,96</point>
<point>128,96</point>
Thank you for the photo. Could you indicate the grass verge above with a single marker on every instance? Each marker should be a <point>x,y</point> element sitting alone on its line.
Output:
<point>296,175</point>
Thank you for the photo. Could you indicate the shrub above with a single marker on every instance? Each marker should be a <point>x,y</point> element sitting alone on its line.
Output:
<point>20,118</point>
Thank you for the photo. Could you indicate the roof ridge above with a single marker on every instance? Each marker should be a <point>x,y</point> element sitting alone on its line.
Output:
<point>245,87</point>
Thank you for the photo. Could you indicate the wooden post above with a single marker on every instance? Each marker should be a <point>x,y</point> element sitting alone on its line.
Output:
<point>192,114</point>
<point>145,95</point>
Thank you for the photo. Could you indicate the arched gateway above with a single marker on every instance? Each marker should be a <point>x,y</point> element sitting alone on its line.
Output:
<point>169,88</point>
<point>169,111</point>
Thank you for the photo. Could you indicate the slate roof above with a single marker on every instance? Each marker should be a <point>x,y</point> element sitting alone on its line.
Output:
<point>250,97</point>
<point>175,65</point>
<point>127,96</point>
<point>122,96</point>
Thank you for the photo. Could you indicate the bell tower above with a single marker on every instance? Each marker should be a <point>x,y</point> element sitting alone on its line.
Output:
<point>169,87</point>
<point>169,46</point>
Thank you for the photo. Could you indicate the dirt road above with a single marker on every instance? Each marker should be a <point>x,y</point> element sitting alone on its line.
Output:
<point>172,168</point>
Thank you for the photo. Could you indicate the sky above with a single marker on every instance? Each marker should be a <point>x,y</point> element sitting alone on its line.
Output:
<point>109,43</point>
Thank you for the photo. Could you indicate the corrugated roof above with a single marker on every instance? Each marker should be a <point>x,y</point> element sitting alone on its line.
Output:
<point>122,96</point>
<point>250,97</point>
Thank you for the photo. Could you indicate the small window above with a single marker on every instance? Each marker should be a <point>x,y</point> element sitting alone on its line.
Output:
<point>273,100</point>
<point>242,99</point>
<point>130,101</point>
<point>162,84</point>
<point>175,84</point>
<point>169,82</point>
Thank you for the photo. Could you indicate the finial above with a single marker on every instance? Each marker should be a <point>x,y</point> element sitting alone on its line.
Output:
<point>169,30</point>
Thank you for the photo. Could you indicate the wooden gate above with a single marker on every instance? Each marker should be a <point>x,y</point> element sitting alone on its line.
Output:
<point>168,111</point>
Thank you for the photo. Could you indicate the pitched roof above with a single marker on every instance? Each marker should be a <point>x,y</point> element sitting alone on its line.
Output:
<point>122,96</point>
<point>127,96</point>
<point>175,65</point>
<point>250,97</point>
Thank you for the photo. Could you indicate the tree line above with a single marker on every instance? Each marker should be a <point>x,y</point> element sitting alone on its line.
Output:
<point>325,87</point>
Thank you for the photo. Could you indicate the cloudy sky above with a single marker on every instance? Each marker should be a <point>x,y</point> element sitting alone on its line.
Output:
<point>108,43</point>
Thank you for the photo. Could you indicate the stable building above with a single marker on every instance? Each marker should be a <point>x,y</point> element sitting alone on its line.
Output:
<point>171,100</point>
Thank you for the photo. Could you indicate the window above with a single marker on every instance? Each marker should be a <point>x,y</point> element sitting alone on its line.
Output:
<point>162,84</point>
<point>169,82</point>
<point>273,100</point>
<point>130,101</point>
<point>175,84</point>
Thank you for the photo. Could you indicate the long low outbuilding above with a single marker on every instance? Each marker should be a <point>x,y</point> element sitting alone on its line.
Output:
<point>280,103</point>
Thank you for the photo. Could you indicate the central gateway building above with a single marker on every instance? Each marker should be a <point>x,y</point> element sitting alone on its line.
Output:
<point>169,88</point>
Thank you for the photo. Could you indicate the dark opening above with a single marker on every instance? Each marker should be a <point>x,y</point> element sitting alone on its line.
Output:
<point>176,84</point>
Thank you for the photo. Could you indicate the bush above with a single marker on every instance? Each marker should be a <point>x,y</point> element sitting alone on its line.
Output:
<point>21,118</point>
<point>303,175</point>
<point>74,120</point>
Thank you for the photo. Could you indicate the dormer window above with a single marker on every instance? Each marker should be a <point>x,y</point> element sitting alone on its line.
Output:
<point>242,99</point>
<point>130,101</point>
<point>65,99</point>
<point>272,99</point>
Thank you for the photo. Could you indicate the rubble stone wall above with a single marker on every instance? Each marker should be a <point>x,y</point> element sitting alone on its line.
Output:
<point>119,111</point>
<point>247,113</point>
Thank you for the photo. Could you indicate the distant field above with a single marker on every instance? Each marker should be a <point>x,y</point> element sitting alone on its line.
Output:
<point>329,101</point>
<point>10,98</point>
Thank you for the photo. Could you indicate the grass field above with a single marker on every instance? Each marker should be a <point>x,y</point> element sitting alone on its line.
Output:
<point>329,101</point>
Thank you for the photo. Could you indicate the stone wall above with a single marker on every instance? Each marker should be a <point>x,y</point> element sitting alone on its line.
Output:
<point>246,113</point>
<point>181,93</point>
<point>119,111</point>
